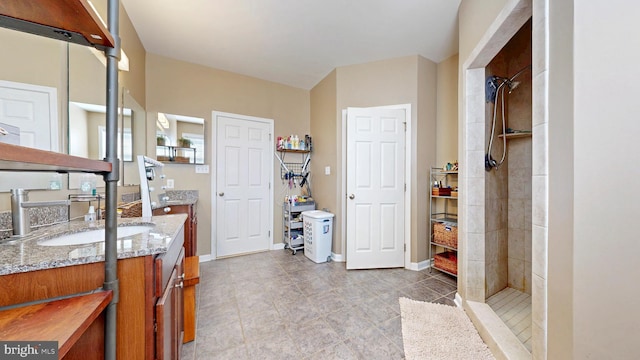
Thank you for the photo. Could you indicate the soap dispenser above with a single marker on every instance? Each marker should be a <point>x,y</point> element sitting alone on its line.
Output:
<point>91,214</point>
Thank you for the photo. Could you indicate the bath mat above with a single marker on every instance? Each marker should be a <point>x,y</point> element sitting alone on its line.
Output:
<point>436,331</point>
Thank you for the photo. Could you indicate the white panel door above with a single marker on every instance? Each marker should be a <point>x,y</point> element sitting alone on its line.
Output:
<point>32,109</point>
<point>244,169</point>
<point>375,188</point>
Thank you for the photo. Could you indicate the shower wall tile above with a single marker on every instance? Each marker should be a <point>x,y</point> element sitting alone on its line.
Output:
<point>528,246</point>
<point>539,251</point>
<point>527,214</point>
<point>516,244</point>
<point>516,274</point>
<point>539,302</point>
<point>516,214</point>
<point>527,277</point>
<point>475,191</point>
<point>475,83</point>
<point>475,273</point>
<point>504,214</point>
<point>540,146</point>
<point>503,244</point>
<point>475,164</point>
<point>539,41</point>
<point>517,181</point>
<point>491,246</point>
<point>539,342</point>
<point>540,207</point>
<point>475,219</point>
<point>475,246</point>
<point>474,138</point>
<point>540,99</point>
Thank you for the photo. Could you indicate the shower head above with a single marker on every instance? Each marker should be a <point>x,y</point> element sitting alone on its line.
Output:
<point>513,85</point>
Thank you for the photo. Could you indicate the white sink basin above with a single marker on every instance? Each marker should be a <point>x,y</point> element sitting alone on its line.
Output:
<point>93,236</point>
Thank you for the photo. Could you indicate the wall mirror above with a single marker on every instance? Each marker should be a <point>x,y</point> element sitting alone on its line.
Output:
<point>30,70</point>
<point>87,135</point>
<point>180,139</point>
<point>87,117</point>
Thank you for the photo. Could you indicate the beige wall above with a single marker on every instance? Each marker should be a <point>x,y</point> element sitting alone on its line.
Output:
<point>447,111</point>
<point>562,180</point>
<point>177,87</point>
<point>406,80</point>
<point>605,128</point>
<point>324,127</point>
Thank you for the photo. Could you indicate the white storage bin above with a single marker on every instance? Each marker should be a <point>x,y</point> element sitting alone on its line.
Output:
<point>318,230</point>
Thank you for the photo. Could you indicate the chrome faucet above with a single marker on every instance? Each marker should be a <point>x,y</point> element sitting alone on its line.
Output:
<point>19,210</point>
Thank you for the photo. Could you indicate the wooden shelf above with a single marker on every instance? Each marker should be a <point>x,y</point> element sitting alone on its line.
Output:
<point>63,320</point>
<point>20,158</point>
<point>68,20</point>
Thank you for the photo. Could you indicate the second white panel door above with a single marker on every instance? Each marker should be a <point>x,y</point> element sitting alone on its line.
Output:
<point>244,166</point>
<point>375,188</point>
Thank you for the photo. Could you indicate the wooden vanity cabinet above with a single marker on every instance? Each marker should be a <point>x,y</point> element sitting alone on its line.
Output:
<point>190,225</point>
<point>192,265</point>
<point>149,311</point>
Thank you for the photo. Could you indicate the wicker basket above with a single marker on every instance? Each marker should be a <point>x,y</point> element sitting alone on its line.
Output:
<point>132,209</point>
<point>447,261</point>
<point>445,233</point>
<point>440,191</point>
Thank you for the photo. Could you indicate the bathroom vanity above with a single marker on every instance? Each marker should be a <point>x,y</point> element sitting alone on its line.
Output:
<point>150,271</point>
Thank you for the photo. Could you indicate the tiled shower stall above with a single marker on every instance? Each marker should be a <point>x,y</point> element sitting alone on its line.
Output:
<point>503,213</point>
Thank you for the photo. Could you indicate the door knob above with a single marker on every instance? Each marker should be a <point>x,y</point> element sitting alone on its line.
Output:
<point>221,194</point>
<point>352,196</point>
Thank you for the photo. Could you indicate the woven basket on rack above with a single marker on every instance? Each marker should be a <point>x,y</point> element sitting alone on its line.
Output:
<point>132,209</point>
<point>446,234</point>
<point>447,261</point>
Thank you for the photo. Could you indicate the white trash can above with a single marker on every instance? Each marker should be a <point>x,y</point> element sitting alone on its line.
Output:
<point>318,230</point>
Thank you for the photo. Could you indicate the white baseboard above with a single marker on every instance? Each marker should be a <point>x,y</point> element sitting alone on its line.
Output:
<point>422,265</point>
<point>279,246</point>
<point>458,300</point>
<point>337,257</point>
<point>205,258</point>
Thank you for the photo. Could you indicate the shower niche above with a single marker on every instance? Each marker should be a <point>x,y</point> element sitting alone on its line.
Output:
<point>508,182</point>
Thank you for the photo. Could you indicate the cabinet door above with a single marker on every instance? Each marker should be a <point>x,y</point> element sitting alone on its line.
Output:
<point>190,225</point>
<point>169,316</point>
<point>165,321</point>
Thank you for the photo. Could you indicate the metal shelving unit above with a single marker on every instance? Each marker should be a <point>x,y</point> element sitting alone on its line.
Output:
<point>440,210</point>
<point>75,21</point>
<point>293,232</point>
<point>296,174</point>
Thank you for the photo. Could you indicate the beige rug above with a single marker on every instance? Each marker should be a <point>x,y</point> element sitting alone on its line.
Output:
<point>436,331</point>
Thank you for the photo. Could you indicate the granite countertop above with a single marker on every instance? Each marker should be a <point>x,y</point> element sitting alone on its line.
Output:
<point>179,197</point>
<point>24,254</point>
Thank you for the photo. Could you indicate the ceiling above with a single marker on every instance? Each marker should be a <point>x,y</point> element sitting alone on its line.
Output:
<point>294,42</point>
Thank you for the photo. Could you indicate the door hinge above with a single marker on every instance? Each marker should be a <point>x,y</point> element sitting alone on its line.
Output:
<point>270,136</point>
<point>405,247</point>
<point>405,187</point>
<point>405,126</point>
<point>269,234</point>
<point>155,327</point>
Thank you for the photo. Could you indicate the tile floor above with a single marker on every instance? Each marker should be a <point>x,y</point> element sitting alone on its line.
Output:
<point>514,308</point>
<point>274,305</point>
